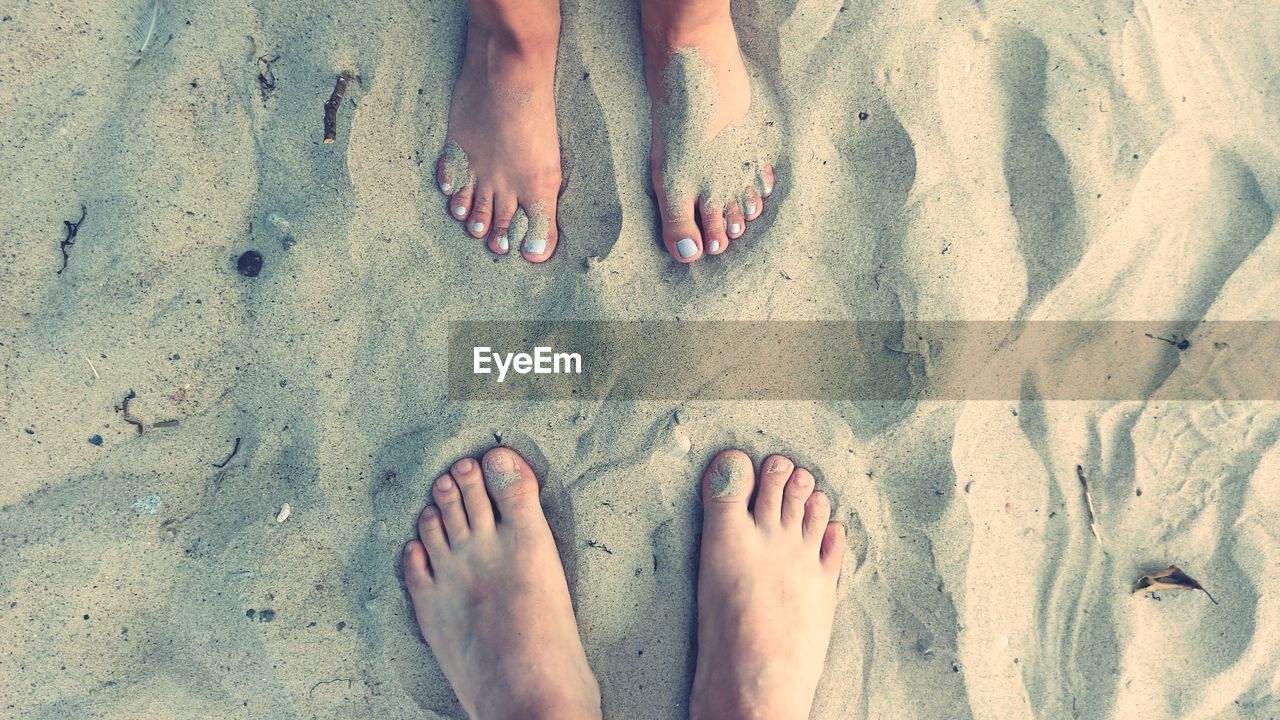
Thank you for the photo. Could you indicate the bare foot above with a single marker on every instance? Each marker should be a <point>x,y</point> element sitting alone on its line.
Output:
<point>500,167</point>
<point>491,598</point>
<point>766,590</point>
<point>706,168</point>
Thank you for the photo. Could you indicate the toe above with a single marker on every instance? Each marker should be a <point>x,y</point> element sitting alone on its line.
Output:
<point>773,476</point>
<point>478,221</point>
<point>770,178</point>
<point>512,485</point>
<point>504,209</point>
<point>737,224</point>
<point>727,485</point>
<point>682,239</point>
<point>447,184</point>
<point>417,570</point>
<point>794,496</point>
<point>466,472</point>
<point>431,531</point>
<point>817,511</point>
<point>449,501</point>
<point>713,235</point>
<point>541,237</point>
<point>460,203</point>
<point>754,204</point>
<point>834,545</point>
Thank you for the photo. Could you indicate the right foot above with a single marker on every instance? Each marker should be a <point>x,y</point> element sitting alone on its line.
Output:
<point>500,167</point>
<point>766,590</point>
<point>490,595</point>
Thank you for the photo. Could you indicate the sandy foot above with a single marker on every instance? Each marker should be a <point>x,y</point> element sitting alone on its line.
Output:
<point>490,595</point>
<point>500,167</point>
<point>766,590</point>
<point>707,173</point>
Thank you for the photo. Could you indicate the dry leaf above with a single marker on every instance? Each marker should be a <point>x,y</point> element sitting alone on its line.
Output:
<point>1170,578</point>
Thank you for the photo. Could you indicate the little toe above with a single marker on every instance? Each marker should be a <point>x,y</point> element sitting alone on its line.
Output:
<point>770,179</point>
<point>736,223</point>
<point>447,184</point>
<point>449,500</point>
<point>512,484</point>
<point>795,496</point>
<point>817,511</point>
<point>431,531</point>
<point>478,221</point>
<point>727,485</point>
<point>713,234</point>
<point>475,498</point>
<point>834,544</point>
<point>541,237</point>
<point>460,203</point>
<point>417,569</point>
<point>773,476</point>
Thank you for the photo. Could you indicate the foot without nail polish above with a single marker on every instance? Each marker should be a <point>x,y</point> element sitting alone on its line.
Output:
<point>687,248</point>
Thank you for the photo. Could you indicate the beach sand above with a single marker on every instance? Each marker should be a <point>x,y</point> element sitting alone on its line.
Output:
<point>997,161</point>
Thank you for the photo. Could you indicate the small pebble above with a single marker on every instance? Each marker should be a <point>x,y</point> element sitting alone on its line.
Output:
<point>250,263</point>
<point>95,439</point>
<point>284,513</point>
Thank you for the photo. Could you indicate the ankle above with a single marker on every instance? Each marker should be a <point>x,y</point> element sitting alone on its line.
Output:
<point>522,27</point>
<point>676,24</point>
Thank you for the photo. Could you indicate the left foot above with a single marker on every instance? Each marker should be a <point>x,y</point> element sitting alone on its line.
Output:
<point>705,168</point>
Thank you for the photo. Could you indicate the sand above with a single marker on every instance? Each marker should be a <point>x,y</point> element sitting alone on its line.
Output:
<point>998,161</point>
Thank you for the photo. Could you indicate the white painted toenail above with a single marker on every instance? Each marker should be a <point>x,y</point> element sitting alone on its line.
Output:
<point>735,228</point>
<point>687,248</point>
<point>751,208</point>
<point>445,187</point>
<point>477,227</point>
<point>504,244</point>
<point>460,211</point>
<point>768,189</point>
<point>715,246</point>
<point>535,246</point>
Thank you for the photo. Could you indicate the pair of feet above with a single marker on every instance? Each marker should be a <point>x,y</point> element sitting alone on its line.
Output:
<point>500,168</point>
<point>491,598</point>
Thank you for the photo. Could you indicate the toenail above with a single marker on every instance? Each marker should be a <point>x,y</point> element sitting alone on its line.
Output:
<point>777,465</point>
<point>535,246</point>
<point>687,248</point>
<point>445,483</point>
<point>500,471</point>
<point>445,187</point>
<point>715,246</point>
<point>465,465</point>
<point>735,228</point>
<point>460,211</point>
<point>803,480</point>
<point>751,208</point>
<point>477,227</point>
<point>768,189</point>
<point>504,244</point>
<point>731,477</point>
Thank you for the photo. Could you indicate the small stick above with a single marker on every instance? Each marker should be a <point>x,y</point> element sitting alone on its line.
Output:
<point>124,409</point>
<point>96,376</point>
<point>234,449</point>
<point>1088,503</point>
<point>331,108</point>
<point>72,229</point>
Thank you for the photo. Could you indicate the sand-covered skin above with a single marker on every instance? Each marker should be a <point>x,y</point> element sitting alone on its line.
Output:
<point>1044,160</point>
<point>696,164</point>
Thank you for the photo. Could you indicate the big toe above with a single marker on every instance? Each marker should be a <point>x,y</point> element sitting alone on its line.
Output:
<point>680,232</point>
<point>727,485</point>
<point>512,485</point>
